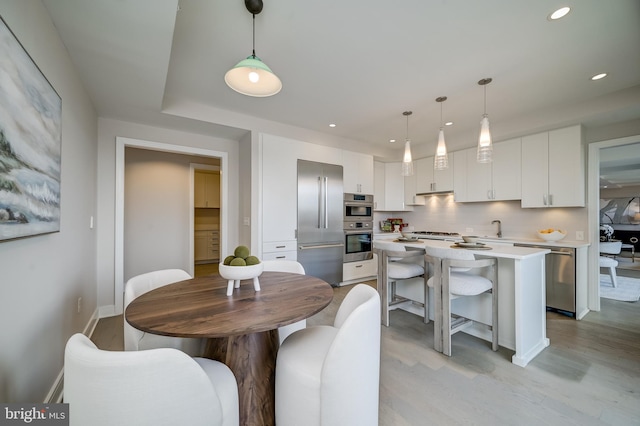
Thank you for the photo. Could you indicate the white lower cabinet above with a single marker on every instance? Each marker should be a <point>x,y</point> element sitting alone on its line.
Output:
<point>281,250</point>
<point>206,246</point>
<point>353,271</point>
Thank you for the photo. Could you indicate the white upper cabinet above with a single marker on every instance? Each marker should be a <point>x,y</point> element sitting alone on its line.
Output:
<point>553,169</point>
<point>506,170</point>
<point>378,185</point>
<point>494,181</point>
<point>429,180</point>
<point>358,172</point>
<point>390,194</point>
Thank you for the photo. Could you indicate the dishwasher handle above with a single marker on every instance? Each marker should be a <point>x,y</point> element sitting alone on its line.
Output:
<point>562,253</point>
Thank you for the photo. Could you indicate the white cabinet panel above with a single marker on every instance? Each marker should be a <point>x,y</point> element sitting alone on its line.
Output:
<point>553,169</point>
<point>494,181</point>
<point>279,188</point>
<point>358,172</point>
<point>378,186</point>
<point>359,270</point>
<point>429,180</point>
<point>394,193</point>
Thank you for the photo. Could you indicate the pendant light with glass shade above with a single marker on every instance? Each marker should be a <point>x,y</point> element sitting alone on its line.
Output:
<point>251,76</point>
<point>441,160</point>
<point>407,161</point>
<point>485,146</point>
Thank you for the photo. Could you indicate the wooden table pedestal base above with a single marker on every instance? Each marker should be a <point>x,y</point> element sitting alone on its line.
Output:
<point>252,358</point>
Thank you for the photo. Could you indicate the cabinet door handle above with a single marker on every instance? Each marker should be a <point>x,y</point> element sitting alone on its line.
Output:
<point>281,257</point>
<point>359,266</point>
<point>489,194</point>
<point>544,199</point>
<point>280,246</point>
<point>550,199</point>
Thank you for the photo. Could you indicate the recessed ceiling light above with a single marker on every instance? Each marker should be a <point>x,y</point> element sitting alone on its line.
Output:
<point>449,123</point>
<point>560,13</point>
<point>392,140</point>
<point>332,125</point>
<point>599,76</point>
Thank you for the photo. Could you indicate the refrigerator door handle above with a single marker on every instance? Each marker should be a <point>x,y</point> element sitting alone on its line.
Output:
<point>326,198</point>
<point>320,246</point>
<point>319,202</point>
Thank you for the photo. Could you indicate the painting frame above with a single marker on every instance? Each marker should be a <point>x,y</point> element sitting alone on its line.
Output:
<point>30,144</point>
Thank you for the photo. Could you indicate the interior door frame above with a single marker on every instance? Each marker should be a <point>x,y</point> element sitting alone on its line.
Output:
<point>593,191</point>
<point>121,144</point>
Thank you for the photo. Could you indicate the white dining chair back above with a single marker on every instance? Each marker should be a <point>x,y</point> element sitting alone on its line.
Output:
<point>294,267</point>
<point>157,387</point>
<point>330,375</point>
<point>395,264</point>
<point>457,273</point>
<point>135,339</point>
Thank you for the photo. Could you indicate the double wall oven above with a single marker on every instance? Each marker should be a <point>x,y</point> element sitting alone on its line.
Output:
<point>358,227</point>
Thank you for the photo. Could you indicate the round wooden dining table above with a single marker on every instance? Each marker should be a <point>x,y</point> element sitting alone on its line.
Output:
<point>241,329</point>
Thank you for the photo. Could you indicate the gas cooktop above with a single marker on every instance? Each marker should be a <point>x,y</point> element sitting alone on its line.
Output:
<point>438,233</point>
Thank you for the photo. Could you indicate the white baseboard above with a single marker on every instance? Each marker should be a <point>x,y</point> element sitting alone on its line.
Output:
<point>107,311</point>
<point>56,391</point>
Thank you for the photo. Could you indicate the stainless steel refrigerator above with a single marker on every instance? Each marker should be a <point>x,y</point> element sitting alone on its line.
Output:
<point>320,232</point>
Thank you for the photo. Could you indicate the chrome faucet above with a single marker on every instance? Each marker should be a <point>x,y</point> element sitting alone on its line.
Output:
<point>499,227</point>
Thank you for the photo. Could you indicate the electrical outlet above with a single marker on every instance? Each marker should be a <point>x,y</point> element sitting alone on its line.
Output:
<point>468,230</point>
<point>79,304</point>
<point>247,221</point>
<point>91,222</point>
<point>579,235</point>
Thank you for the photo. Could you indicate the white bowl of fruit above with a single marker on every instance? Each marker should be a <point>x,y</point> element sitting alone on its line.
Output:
<point>551,234</point>
<point>240,266</point>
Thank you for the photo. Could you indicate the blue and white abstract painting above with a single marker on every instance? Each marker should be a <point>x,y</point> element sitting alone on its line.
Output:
<point>30,144</point>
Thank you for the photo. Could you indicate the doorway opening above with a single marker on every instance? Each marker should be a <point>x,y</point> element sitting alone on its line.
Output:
<point>119,260</point>
<point>594,177</point>
<point>205,180</point>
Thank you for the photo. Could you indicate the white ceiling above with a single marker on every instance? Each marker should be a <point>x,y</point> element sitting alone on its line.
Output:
<point>360,64</point>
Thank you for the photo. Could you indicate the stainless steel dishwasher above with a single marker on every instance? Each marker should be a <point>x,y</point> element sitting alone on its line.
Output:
<point>560,266</point>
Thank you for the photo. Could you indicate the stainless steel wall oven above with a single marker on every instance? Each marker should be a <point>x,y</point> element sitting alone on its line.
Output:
<point>358,208</point>
<point>358,238</point>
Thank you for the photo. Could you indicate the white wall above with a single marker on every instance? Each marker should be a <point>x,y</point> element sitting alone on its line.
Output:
<point>42,277</point>
<point>108,130</point>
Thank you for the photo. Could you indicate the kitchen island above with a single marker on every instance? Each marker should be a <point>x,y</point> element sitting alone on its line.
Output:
<point>521,298</point>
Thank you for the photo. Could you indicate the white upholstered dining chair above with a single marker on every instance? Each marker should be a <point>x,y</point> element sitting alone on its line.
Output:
<point>156,387</point>
<point>284,265</point>
<point>611,248</point>
<point>330,375</point>
<point>457,274</point>
<point>135,339</point>
<point>396,264</point>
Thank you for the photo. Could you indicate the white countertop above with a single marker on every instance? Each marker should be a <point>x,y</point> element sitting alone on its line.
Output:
<point>506,251</point>
<point>495,240</point>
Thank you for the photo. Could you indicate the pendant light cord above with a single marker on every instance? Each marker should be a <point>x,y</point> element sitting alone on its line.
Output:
<point>407,138</point>
<point>254,37</point>
<point>485,99</point>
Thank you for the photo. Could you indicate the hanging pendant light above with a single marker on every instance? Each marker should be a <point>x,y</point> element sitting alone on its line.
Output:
<point>251,76</point>
<point>441,160</point>
<point>407,161</point>
<point>485,146</point>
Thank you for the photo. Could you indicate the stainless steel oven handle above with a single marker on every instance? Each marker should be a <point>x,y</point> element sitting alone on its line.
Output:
<point>320,246</point>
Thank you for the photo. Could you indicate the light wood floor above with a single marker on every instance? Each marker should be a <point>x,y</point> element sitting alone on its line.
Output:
<point>590,375</point>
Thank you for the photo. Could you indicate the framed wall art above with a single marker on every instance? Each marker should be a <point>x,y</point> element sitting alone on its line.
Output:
<point>30,144</point>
